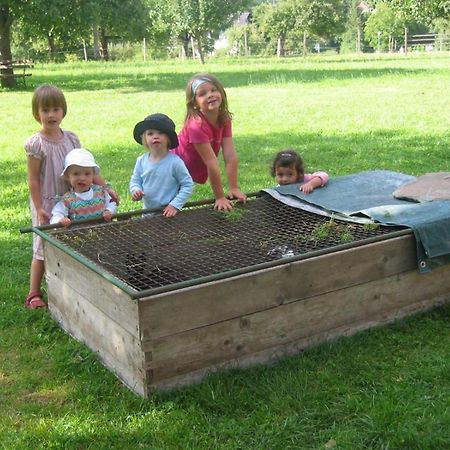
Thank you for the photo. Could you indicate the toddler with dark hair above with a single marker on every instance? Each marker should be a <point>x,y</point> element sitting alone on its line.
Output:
<point>288,168</point>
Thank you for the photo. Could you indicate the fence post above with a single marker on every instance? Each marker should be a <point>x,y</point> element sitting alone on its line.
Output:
<point>406,41</point>
<point>304,43</point>
<point>245,43</point>
<point>358,40</point>
<point>84,50</point>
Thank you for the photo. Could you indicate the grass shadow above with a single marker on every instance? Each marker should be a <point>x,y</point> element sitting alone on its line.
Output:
<point>143,78</point>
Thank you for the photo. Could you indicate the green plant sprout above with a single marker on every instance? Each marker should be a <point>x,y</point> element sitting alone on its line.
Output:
<point>234,215</point>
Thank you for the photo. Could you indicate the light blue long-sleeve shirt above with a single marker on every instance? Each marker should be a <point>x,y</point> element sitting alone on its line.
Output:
<point>166,182</point>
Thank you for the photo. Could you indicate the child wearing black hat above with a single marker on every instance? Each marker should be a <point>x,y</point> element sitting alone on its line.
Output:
<point>159,177</point>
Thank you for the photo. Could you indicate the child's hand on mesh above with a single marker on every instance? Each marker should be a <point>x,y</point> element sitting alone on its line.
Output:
<point>65,222</point>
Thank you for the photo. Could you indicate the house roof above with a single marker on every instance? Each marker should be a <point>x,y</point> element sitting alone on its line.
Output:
<point>364,7</point>
<point>243,19</point>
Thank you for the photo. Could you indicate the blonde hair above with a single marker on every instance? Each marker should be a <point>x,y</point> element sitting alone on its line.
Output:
<point>191,107</point>
<point>45,96</point>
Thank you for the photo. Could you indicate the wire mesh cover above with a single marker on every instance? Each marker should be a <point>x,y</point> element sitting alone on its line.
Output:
<point>153,251</point>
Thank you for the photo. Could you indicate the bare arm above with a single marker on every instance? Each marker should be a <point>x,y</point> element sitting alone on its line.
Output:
<point>317,179</point>
<point>231,166</point>
<point>209,158</point>
<point>34,177</point>
<point>308,187</point>
<point>99,180</point>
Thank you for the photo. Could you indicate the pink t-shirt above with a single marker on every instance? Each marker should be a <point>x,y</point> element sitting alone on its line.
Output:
<point>197,130</point>
<point>322,175</point>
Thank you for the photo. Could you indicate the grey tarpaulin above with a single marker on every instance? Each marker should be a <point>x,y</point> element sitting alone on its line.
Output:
<point>369,194</point>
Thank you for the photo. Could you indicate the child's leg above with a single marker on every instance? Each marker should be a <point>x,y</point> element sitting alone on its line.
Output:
<point>34,298</point>
<point>36,274</point>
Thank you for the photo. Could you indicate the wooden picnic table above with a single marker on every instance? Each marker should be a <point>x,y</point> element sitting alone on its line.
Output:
<point>7,69</point>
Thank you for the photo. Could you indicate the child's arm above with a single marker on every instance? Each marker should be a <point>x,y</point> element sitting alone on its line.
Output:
<point>100,181</point>
<point>209,158</point>
<point>34,178</point>
<point>60,214</point>
<point>136,187</point>
<point>231,166</point>
<point>313,181</point>
<point>110,207</point>
<point>186,186</point>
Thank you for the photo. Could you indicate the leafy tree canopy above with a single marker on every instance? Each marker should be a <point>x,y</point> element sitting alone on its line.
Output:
<point>425,11</point>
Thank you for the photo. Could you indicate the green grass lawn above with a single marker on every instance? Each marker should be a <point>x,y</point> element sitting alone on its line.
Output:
<point>386,388</point>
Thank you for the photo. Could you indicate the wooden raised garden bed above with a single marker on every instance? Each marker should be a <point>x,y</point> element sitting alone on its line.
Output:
<point>158,325</point>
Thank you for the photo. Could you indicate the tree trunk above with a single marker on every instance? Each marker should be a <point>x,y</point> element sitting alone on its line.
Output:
<point>51,46</point>
<point>104,45</point>
<point>193,47</point>
<point>200,50</point>
<point>6,21</point>
<point>280,46</point>
<point>185,45</point>
<point>96,44</point>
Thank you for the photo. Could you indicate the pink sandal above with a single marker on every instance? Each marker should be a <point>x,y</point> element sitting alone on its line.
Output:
<point>34,301</point>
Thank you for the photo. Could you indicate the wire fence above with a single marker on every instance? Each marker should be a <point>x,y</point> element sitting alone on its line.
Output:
<point>139,51</point>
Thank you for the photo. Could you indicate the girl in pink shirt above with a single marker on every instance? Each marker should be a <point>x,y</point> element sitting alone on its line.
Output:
<point>288,168</point>
<point>206,130</point>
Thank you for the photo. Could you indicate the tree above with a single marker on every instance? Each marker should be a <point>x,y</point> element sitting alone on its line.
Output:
<point>116,19</point>
<point>8,11</point>
<point>384,26</point>
<point>424,11</point>
<point>295,19</point>
<point>58,22</point>
<point>276,23</point>
<point>320,18</point>
<point>357,14</point>
<point>203,19</point>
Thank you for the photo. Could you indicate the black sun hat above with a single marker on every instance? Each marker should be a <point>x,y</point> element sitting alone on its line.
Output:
<point>159,122</point>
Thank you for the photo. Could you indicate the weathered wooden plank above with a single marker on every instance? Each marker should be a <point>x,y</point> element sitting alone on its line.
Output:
<point>114,303</point>
<point>272,354</point>
<point>201,305</point>
<point>351,267</point>
<point>352,307</point>
<point>117,348</point>
<point>221,300</point>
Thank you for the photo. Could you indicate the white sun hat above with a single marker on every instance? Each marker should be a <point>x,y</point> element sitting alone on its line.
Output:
<point>80,157</point>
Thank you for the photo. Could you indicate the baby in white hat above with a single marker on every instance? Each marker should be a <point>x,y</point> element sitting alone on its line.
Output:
<point>85,200</point>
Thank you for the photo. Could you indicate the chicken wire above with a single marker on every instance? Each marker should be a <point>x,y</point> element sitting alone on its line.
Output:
<point>152,253</point>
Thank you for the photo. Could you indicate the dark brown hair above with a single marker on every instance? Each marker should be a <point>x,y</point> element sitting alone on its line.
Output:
<point>46,96</point>
<point>288,158</point>
<point>191,107</point>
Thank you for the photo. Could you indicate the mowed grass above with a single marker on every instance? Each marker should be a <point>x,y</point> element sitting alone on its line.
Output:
<point>384,388</point>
